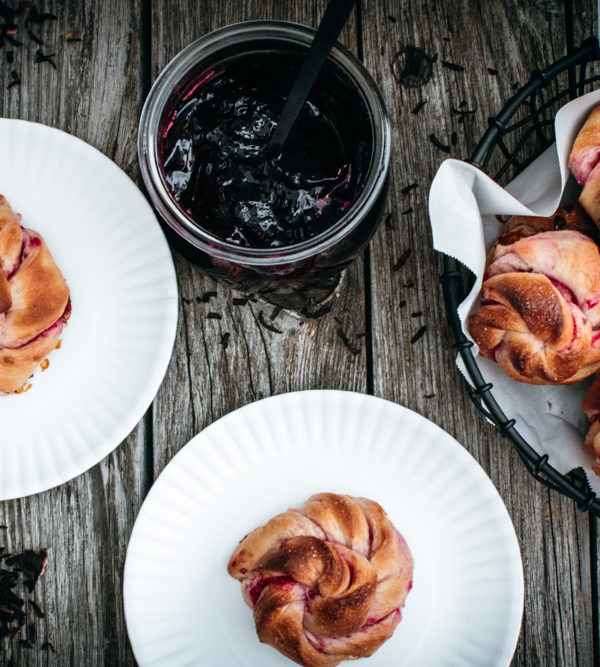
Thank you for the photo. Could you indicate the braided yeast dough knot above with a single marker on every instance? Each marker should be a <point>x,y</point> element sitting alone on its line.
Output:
<point>584,162</point>
<point>540,313</point>
<point>34,300</point>
<point>327,581</point>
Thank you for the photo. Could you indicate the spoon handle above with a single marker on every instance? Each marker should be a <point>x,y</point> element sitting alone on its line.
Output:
<point>335,16</point>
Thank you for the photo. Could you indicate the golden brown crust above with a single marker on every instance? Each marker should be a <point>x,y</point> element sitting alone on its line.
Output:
<point>591,407</point>
<point>33,300</point>
<point>541,308</point>
<point>584,162</point>
<point>5,294</point>
<point>587,138</point>
<point>572,217</point>
<point>11,238</point>
<point>326,582</point>
<point>590,195</point>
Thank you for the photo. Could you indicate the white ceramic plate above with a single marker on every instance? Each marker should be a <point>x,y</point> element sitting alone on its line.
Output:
<point>116,347</point>
<point>181,606</point>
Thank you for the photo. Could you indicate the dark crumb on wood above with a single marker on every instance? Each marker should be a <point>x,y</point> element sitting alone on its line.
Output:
<point>446,39</point>
<point>268,325</point>
<point>549,405</point>
<point>407,211</point>
<point>463,104</point>
<point>10,56</point>
<point>44,58</point>
<point>31,563</point>
<point>402,303</point>
<point>429,395</point>
<point>388,221</point>
<point>401,261</point>
<point>38,612</point>
<point>34,37</point>
<point>15,80</point>
<point>411,67</point>
<point>12,40</point>
<point>462,112</point>
<point>417,313</point>
<point>206,297</point>
<point>48,646</point>
<point>393,19</point>
<point>25,644</point>
<point>186,300</point>
<point>418,335</point>
<point>3,527</point>
<point>515,86</point>
<point>37,17</point>
<point>238,301</point>
<point>409,188</point>
<point>419,106</point>
<point>493,71</point>
<point>382,50</point>
<point>362,334</point>
<point>453,66</point>
<point>276,312</point>
<point>347,344</point>
<point>31,632</point>
<point>318,312</point>
<point>409,283</point>
<point>454,138</point>
<point>70,40</point>
<point>225,340</point>
<point>214,316</point>
<point>438,144</point>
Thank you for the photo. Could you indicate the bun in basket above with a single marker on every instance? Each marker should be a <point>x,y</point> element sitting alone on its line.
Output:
<point>584,162</point>
<point>34,301</point>
<point>540,311</point>
<point>326,582</point>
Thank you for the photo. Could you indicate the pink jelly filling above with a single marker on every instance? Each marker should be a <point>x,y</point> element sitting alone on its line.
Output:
<point>374,621</point>
<point>60,322</point>
<point>255,590</point>
<point>583,165</point>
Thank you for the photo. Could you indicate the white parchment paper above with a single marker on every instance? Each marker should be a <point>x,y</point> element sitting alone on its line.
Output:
<point>463,203</point>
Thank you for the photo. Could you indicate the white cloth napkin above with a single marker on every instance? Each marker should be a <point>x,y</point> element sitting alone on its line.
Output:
<point>463,203</point>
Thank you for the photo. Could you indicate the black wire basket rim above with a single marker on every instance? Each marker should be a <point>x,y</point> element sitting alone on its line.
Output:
<point>453,290</point>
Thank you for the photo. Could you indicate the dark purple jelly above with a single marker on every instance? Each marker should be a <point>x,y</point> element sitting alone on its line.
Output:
<point>213,143</point>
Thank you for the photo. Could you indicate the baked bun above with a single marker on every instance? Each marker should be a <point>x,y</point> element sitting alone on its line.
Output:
<point>540,312</point>
<point>584,162</point>
<point>326,582</point>
<point>34,301</point>
<point>591,407</point>
<point>572,217</point>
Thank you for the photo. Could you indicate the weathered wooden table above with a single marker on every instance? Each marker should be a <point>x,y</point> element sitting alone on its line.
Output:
<point>96,92</point>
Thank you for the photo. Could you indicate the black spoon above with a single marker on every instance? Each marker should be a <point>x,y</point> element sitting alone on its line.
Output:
<point>335,16</point>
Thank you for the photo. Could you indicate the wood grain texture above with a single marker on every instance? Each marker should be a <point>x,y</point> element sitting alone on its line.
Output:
<point>512,39</point>
<point>205,380</point>
<point>94,93</point>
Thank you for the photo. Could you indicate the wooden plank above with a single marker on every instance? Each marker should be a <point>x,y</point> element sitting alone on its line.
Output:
<point>204,380</point>
<point>513,39</point>
<point>94,93</point>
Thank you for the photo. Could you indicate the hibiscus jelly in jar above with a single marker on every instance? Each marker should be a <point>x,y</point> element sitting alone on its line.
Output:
<point>279,225</point>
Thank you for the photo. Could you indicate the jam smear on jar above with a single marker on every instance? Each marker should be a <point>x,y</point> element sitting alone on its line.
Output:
<point>213,143</point>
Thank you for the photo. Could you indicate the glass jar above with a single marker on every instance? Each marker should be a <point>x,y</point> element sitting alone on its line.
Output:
<point>300,274</point>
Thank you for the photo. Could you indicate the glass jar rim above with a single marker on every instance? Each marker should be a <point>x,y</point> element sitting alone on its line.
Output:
<point>210,45</point>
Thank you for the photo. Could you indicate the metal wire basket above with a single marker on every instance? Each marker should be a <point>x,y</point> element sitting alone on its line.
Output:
<point>515,138</point>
